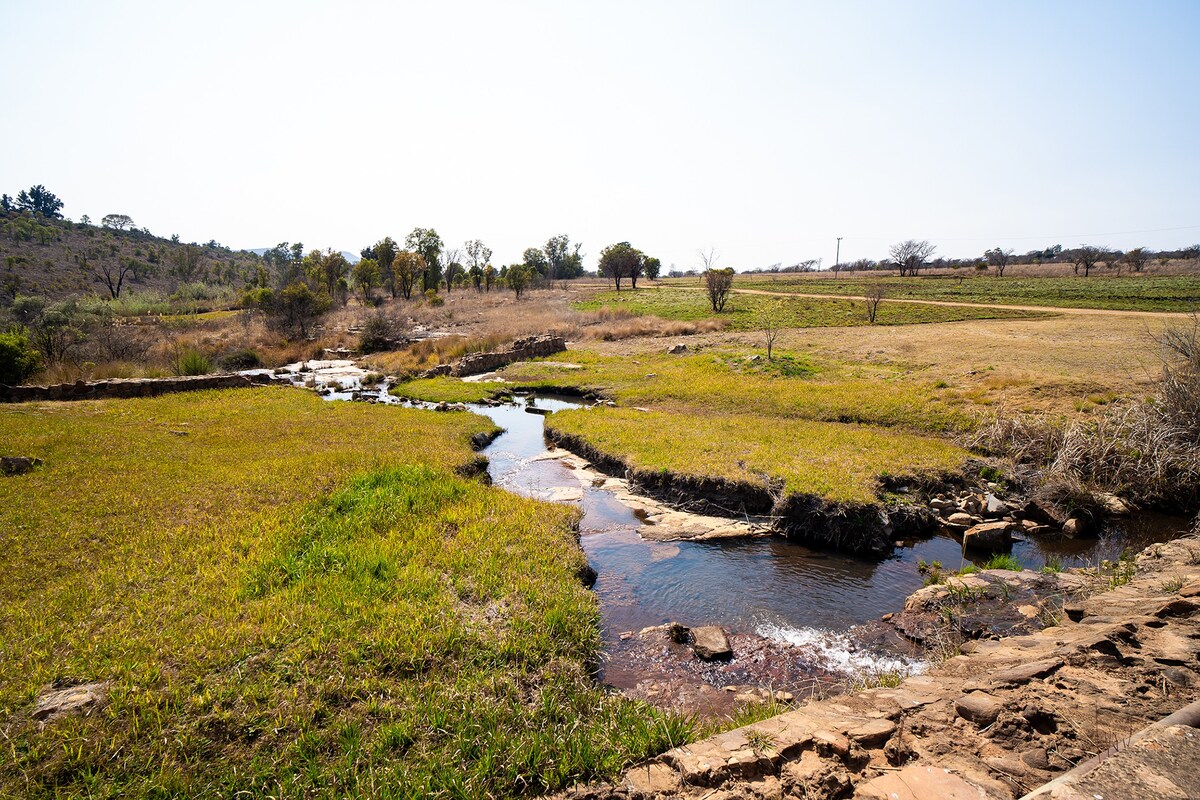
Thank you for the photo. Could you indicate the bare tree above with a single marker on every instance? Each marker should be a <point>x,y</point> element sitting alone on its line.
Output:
<point>1137,258</point>
<point>910,255</point>
<point>452,266</point>
<point>718,282</point>
<point>875,293</point>
<point>771,321</point>
<point>999,259</point>
<point>1087,257</point>
<point>708,259</point>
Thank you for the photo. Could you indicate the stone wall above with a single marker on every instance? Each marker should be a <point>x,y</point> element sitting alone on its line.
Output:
<point>127,387</point>
<point>522,350</point>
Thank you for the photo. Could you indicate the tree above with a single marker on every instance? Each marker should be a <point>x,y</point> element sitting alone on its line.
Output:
<point>489,277</point>
<point>476,274</point>
<point>367,275</point>
<point>384,252</point>
<point>718,283</point>
<point>37,200</point>
<point>120,222</point>
<point>876,291</point>
<point>298,307</point>
<point>428,244</point>
<point>113,274</point>
<point>999,259</point>
<point>478,254</point>
<point>452,267</point>
<point>621,260</point>
<point>84,220</point>
<point>1087,256</point>
<point>771,321</point>
<point>651,266</point>
<point>18,358</point>
<point>407,269</point>
<point>518,278</point>
<point>562,259</point>
<point>1137,258</point>
<point>910,255</point>
<point>535,259</point>
<point>327,270</point>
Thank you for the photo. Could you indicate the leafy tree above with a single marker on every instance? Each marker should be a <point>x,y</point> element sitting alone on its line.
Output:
<point>120,222</point>
<point>367,276</point>
<point>297,307</point>
<point>384,252</point>
<point>489,277</point>
<point>188,262</point>
<point>718,283</point>
<point>84,220</point>
<point>328,270</point>
<point>476,274</point>
<point>910,255</point>
<point>999,259</point>
<point>562,259</point>
<point>619,261</point>
<point>37,200</point>
<point>6,203</point>
<point>651,266</point>
<point>518,278</point>
<point>478,254</point>
<point>18,358</point>
<point>536,260</point>
<point>407,270</point>
<point>428,244</point>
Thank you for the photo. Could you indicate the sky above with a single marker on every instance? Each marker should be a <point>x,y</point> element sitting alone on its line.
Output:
<point>761,130</point>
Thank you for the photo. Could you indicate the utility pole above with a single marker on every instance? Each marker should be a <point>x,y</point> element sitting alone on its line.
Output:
<point>838,258</point>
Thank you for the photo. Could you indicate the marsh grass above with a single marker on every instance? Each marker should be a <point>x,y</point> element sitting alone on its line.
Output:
<point>840,463</point>
<point>450,390</point>
<point>292,598</point>
<point>746,312</point>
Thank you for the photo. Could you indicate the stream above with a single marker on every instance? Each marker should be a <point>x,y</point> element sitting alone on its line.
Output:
<point>803,617</point>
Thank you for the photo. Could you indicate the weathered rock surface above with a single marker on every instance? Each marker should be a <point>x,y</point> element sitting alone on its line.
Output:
<point>18,465</point>
<point>989,536</point>
<point>61,702</point>
<point>127,387</point>
<point>521,350</point>
<point>711,643</point>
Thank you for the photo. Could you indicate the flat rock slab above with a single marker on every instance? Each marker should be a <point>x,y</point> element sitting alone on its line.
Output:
<point>1026,672</point>
<point>920,783</point>
<point>1165,765</point>
<point>978,707</point>
<point>55,703</point>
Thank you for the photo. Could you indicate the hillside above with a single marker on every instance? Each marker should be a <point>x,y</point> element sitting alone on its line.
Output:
<point>58,258</point>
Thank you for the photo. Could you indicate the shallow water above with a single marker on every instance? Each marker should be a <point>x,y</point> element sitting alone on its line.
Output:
<point>775,588</point>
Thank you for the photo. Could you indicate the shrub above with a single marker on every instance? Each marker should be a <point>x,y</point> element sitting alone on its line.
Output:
<point>241,359</point>
<point>18,358</point>
<point>192,362</point>
<point>377,334</point>
<point>433,298</point>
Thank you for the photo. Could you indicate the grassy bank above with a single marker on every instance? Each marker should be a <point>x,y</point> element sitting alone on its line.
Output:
<point>291,597</point>
<point>837,463</point>
<point>745,312</point>
<point>796,387</point>
<point>449,390</point>
<point>1127,293</point>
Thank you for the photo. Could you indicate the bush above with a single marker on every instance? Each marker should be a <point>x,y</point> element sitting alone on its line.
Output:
<point>433,298</point>
<point>241,359</point>
<point>192,362</point>
<point>18,358</point>
<point>377,334</point>
<point>261,299</point>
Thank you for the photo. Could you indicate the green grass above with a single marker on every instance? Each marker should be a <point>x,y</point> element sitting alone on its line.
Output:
<point>744,312</point>
<point>450,390</point>
<point>1003,561</point>
<point>840,463</point>
<point>793,387</point>
<point>1128,293</point>
<point>292,598</point>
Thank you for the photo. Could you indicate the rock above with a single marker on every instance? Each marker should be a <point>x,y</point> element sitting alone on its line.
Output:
<point>937,504</point>
<point>1036,758</point>
<point>977,707</point>
<point>960,518</point>
<point>816,777</point>
<point>18,465</point>
<point>919,782</point>
<point>873,734</point>
<point>676,349</point>
<point>1044,512</point>
<point>988,536</point>
<point>710,643</point>
<point>1113,504</point>
<point>1008,766</point>
<point>1179,607</point>
<point>1191,590</point>
<point>1026,672</point>
<point>831,742</point>
<point>650,779</point>
<point>1075,527</point>
<point>678,633</point>
<point>994,506</point>
<point>82,699</point>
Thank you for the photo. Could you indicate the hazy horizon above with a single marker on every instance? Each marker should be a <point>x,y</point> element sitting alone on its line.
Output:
<point>762,130</point>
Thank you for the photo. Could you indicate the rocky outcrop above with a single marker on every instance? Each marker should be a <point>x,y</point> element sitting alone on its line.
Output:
<point>521,350</point>
<point>992,723</point>
<point>127,387</point>
<point>18,465</point>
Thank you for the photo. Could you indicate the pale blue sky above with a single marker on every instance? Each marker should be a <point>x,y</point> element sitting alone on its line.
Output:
<point>762,129</point>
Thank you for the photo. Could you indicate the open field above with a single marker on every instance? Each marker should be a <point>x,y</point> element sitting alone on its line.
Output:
<point>1127,293</point>
<point>822,459</point>
<point>290,597</point>
<point>745,311</point>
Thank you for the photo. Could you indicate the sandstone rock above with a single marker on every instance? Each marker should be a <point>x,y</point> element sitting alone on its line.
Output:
<point>82,699</point>
<point>710,643</point>
<point>1113,504</point>
<point>1026,672</point>
<point>814,777</point>
<point>960,518</point>
<point>832,742</point>
<point>18,465</point>
<point>1076,527</point>
<point>988,536</point>
<point>1044,512</point>
<point>873,734</point>
<point>1036,758</point>
<point>652,778</point>
<point>994,506</point>
<point>1179,607</point>
<point>977,707</point>
<point>1191,590</point>
<point>676,349</point>
<point>918,782</point>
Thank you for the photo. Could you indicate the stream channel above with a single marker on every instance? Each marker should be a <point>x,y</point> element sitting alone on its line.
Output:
<point>800,620</point>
